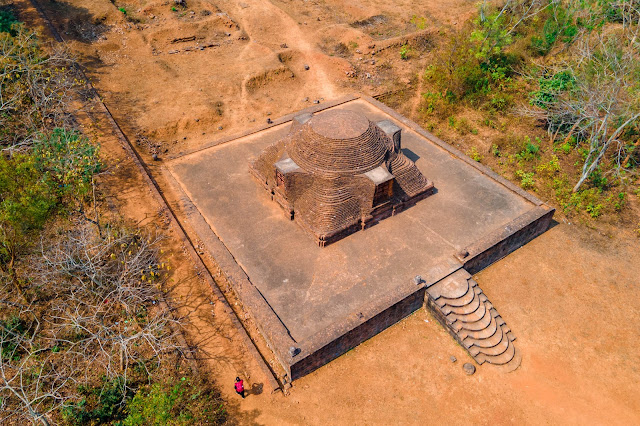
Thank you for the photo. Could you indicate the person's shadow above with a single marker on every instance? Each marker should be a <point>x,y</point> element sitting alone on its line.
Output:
<point>256,389</point>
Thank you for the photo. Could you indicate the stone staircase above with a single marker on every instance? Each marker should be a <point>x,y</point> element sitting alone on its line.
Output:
<point>462,308</point>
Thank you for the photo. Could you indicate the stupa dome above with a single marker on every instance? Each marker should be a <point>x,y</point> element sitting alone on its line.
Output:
<point>339,142</point>
<point>337,172</point>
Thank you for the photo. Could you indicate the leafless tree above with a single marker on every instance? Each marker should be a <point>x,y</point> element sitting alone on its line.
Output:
<point>604,100</point>
<point>36,86</point>
<point>102,316</point>
<point>110,308</point>
<point>34,379</point>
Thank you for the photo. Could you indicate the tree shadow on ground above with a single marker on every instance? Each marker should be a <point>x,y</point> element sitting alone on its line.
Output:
<point>74,23</point>
<point>237,416</point>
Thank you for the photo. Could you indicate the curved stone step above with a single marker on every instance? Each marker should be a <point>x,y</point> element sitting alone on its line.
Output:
<point>485,333</point>
<point>480,323</point>
<point>468,308</point>
<point>463,300</point>
<point>473,321</point>
<point>500,347</point>
<point>488,342</point>
<point>499,359</point>
<point>511,365</point>
<point>474,316</point>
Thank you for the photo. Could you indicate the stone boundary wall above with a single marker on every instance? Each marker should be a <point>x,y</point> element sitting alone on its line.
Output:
<point>339,338</point>
<point>499,243</point>
<point>340,345</point>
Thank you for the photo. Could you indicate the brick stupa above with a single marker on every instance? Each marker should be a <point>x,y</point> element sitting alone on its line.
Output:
<point>337,172</point>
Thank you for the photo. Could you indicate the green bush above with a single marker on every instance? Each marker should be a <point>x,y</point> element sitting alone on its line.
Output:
<point>175,402</point>
<point>529,150</point>
<point>36,185</point>
<point>526,179</point>
<point>474,154</point>
<point>598,180</point>
<point>594,210</point>
<point>99,405</point>
<point>612,10</point>
<point>586,200</point>
<point>474,65</point>
<point>26,193</point>
<point>549,168</point>
<point>33,185</point>
<point>560,25</point>
<point>7,20</point>
<point>405,50</point>
<point>618,201</point>
<point>550,87</point>
<point>501,101</point>
<point>567,145</point>
<point>70,161</point>
<point>9,329</point>
<point>431,101</point>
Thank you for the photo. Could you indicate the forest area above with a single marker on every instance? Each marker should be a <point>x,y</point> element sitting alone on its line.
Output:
<point>86,336</point>
<point>545,92</point>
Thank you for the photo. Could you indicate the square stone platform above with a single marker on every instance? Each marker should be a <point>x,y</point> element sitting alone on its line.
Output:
<point>312,303</point>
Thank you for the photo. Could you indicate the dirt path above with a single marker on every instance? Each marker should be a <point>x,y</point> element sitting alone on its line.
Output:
<point>253,15</point>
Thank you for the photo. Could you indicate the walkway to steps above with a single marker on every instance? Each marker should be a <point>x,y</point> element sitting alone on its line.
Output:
<point>462,308</point>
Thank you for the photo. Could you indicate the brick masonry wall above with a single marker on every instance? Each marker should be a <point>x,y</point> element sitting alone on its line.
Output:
<point>437,313</point>
<point>512,236</point>
<point>359,334</point>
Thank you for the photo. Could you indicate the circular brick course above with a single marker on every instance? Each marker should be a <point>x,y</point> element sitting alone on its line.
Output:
<point>339,143</point>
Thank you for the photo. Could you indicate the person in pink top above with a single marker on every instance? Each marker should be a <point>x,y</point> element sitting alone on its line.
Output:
<point>239,385</point>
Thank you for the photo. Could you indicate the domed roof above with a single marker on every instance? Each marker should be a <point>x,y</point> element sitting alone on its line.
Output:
<point>336,172</point>
<point>339,142</point>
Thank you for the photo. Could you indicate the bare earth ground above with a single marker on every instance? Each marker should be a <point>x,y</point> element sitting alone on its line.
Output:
<point>570,296</point>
